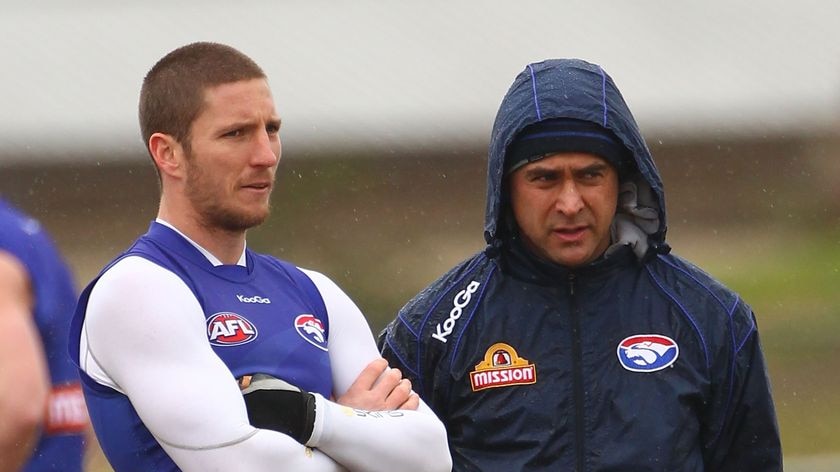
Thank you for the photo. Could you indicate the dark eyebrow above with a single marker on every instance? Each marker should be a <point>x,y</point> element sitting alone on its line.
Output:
<point>597,167</point>
<point>539,170</point>
<point>236,125</point>
<point>247,124</point>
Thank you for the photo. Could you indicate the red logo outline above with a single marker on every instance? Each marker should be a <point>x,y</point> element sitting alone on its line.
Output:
<point>230,329</point>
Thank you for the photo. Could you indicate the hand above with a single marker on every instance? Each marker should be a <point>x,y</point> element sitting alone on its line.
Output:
<point>275,404</point>
<point>378,388</point>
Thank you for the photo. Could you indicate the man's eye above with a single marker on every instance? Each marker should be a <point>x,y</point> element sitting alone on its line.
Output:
<point>233,134</point>
<point>548,177</point>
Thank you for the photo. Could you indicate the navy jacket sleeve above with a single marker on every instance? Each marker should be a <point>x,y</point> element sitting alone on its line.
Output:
<point>749,437</point>
<point>396,353</point>
<point>407,342</point>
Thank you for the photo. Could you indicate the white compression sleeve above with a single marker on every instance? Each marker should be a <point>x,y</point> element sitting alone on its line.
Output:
<point>398,440</point>
<point>144,335</point>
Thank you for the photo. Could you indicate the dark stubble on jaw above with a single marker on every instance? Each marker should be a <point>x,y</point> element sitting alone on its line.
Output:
<point>214,214</point>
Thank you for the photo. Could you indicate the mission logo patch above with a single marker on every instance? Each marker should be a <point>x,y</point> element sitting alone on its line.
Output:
<point>502,367</point>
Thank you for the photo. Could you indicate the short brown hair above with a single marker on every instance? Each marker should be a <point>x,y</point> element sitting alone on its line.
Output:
<point>172,94</point>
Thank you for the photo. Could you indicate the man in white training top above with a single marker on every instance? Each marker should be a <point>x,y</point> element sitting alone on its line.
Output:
<point>198,354</point>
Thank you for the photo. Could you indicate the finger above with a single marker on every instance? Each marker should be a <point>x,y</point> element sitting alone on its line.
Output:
<point>368,376</point>
<point>399,395</point>
<point>412,403</point>
<point>387,382</point>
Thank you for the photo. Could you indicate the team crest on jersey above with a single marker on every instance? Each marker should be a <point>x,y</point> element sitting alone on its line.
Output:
<point>647,352</point>
<point>312,329</point>
<point>502,367</point>
<point>230,329</point>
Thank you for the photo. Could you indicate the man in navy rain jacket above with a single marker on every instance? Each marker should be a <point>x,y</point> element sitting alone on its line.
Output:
<point>575,341</point>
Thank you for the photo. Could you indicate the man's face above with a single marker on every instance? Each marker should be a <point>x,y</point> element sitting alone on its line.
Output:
<point>564,205</point>
<point>234,152</point>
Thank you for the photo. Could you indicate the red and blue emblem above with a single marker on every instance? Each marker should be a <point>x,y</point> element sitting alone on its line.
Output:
<point>230,329</point>
<point>647,352</point>
<point>312,329</point>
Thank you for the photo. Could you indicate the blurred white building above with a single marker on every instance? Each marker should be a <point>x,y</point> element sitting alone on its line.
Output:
<point>387,77</point>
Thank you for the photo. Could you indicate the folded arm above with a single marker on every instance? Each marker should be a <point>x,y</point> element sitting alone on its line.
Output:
<point>144,336</point>
<point>412,438</point>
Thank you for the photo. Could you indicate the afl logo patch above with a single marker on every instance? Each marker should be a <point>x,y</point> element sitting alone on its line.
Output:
<point>647,352</point>
<point>312,330</point>
<point>502,367</point>
<point>230,329</point>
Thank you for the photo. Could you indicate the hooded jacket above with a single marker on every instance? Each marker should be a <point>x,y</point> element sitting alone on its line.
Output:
<point>638,361</point>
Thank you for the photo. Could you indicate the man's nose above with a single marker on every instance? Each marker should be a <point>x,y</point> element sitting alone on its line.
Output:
<point>267,150</point>
<point>569,201</point>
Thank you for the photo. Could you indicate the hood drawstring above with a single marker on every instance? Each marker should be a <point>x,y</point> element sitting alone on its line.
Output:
<point>655,249</point>
<point>494,245</point>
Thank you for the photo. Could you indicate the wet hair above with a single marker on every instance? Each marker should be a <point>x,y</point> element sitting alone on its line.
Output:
<point>172,95</point>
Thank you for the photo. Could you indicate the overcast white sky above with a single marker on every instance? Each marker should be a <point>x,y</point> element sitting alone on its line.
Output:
<point>416,75</point>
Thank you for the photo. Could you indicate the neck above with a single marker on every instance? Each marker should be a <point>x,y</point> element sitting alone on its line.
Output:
<point>525,264</point>
<point>224,244</point>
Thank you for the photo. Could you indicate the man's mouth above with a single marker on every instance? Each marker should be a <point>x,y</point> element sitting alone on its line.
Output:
<point>258,185</point>
<point>570,233</point>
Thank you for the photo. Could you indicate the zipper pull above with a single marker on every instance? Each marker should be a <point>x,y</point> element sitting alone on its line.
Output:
<point>571,284</point>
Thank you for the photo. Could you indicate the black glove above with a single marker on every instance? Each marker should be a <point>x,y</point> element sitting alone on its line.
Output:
<point>279,406</point>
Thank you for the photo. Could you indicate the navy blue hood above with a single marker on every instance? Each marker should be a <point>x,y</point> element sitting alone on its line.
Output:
<point>565,88</point>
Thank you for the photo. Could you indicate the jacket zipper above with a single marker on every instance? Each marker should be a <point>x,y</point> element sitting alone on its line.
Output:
<point>577,375</point>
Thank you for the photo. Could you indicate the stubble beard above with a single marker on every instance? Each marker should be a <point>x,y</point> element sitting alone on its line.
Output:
<point>212,211</point>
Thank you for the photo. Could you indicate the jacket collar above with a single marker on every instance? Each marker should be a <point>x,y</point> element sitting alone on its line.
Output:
<point>521,263</point>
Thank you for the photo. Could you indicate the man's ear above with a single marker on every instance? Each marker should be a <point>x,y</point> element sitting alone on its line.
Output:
<point>168,154</point>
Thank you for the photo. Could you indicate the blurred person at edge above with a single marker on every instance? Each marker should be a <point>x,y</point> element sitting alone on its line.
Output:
<point>199,354</point>
<point>43,420</point>
<point>575,341</point>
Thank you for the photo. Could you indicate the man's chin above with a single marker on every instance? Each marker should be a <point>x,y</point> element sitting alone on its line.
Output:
<point>572,258</point>
<point>234,222</point>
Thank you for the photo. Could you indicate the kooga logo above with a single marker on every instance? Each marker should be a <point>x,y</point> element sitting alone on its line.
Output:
<point>254,299</point>
<point>462,299</point>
